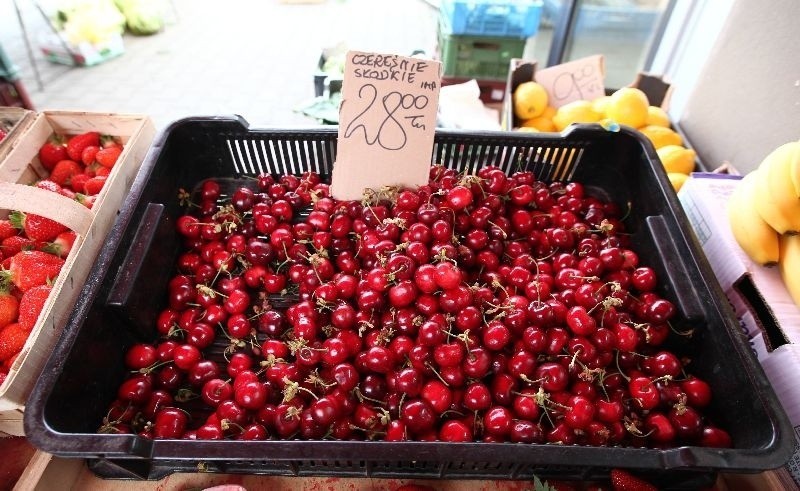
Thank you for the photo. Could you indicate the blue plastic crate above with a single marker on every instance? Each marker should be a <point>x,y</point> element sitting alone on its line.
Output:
<point>499,18</point>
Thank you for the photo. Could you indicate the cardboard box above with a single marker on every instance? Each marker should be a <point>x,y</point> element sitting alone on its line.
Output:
<point>766,312</point>
<point>21,168</point>
<point>657,90</point>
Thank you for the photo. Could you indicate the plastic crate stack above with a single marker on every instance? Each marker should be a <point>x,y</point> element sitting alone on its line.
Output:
<point>478,38</point>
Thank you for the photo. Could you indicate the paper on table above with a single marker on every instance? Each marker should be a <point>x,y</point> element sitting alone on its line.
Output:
<point>387,121</point>
<point>460,107</point>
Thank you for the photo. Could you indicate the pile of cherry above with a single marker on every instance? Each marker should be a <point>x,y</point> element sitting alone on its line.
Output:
<point>484,307</point>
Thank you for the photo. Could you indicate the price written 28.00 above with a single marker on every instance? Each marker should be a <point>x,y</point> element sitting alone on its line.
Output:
<point>384,121</point>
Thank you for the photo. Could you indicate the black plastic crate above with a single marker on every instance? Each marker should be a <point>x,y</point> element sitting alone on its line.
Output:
<point>119,303</point>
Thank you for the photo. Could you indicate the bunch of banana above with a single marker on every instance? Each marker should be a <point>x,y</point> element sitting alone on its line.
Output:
<point>764,213</point>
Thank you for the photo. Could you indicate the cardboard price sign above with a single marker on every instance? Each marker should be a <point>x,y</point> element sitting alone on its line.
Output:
<point>387,121</point>
<point>573,81</point>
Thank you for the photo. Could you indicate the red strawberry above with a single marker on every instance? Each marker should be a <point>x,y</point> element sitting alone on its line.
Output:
<point>31,304</point>
<point>7,229</point>
<point>28,269</point>
<point>102,171</point>
<point>88,154</point>
<point>62,244</point>
<point>623,480</point>
<point>107,157</point>
<point>9,308</point>
<point>13,245</point>
<point>64,170</point>
<point>86,200</point>
<point>109,141</point>
<point>36,227</point>
<point>78,182</point>
<point>77,143</point>
<point>52,152</point>
<point>95,185</point>
<point>3,135</point>
<point>12,339</point>
<point>48,185</point>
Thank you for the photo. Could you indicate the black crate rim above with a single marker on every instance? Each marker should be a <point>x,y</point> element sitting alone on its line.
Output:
<point>689,458</point>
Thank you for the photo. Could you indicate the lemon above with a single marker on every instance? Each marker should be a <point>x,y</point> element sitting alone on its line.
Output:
<point>601,103</point>
<point>575,112</point>
<point>677,158</point>
<point>628,106</point>
<point>530,100</point>
<point>549,112</point>
<point>677,179</point>
<point>661,137</point>
<point>657,117</point>
<point>541,123</point>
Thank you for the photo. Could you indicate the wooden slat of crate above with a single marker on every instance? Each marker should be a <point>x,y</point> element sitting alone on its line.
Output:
<point>21,119</point>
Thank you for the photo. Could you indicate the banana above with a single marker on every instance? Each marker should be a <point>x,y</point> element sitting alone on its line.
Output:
<point>758,240</point>
<point>777,200</point>
<point>790,265</point>
<point>794,167</point>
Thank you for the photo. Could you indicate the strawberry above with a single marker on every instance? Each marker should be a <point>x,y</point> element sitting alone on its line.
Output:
<point>36,227</point>
<point>95,185</point>
<point>102,171</point>
<point>61,245</point>
<point>13,245</point>
<point>78,143</point>
<point>28,269</point>
<point>78,182</point>
<point>64,170</point>
<point>107,157</point>
<point>67,192</point>
<point>7,229</point>
<point>88,154</point>
<point>107,141</point>
<point>86,200</point>
<point>31,304</point>
<point>9,308</point>
<point>52,152</point>
<point>12,339</point>
<point>6,368</point>
<point>48,185</point>
<point>623,480</point>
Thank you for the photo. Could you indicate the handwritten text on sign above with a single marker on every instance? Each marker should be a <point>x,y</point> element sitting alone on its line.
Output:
<point>386,123</point>
<point>577,80</point>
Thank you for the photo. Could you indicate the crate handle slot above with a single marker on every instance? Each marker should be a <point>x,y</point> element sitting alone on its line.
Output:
<point>125,281</point>
<point>486,45</point>
<point>685,295</point>
<point>30,199</point>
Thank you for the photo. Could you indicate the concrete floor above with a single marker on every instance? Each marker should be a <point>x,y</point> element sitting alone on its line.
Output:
<point>255,58</point>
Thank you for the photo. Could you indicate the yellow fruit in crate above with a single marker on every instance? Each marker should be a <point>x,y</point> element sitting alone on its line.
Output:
<point>756,238</point>
<point>677,158</point>
<point>778,200</point>
<point>530,100</point>
<point>677,179</point>
<point>789,264</point>
<point>657,117</point>
<point>661,136</point>
<point>541,123</point>
<point>575,112</point>
<point>601,103</point>
<point>628,106</point>
<point>549,112</point>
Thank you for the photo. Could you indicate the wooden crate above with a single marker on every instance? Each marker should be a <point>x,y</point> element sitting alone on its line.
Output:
<point>18,119</point>
<point>20,168</point>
